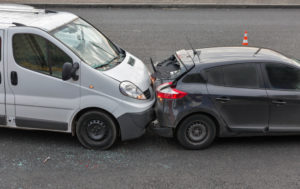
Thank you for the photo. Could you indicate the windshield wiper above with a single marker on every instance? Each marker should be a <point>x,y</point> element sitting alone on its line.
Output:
<point>101,66</point>
<point>101,48</point>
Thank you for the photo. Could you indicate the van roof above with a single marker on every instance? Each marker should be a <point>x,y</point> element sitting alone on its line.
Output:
<point>15,14</point>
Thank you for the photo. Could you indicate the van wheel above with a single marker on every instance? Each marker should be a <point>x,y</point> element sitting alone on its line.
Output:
<point>196,132</point>
<point>96,130</point>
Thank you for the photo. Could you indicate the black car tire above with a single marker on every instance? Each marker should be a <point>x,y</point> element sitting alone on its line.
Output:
<point>196,132</point>
<point>96,130</point>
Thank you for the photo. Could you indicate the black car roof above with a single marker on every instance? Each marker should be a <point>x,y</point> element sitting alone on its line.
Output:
<point>239,54</point>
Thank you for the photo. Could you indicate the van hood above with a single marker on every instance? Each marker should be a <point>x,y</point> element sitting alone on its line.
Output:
<point>131,69</point>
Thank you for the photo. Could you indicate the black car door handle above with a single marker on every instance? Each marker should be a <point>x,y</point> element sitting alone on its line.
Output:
<point>14,78</point>
<point>279,102</point>
<point>223,99</point>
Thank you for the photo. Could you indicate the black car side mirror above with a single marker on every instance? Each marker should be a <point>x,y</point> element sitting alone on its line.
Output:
<point>69,71</point>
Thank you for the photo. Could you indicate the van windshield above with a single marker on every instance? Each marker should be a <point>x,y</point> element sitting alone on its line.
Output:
<point>89,44</point>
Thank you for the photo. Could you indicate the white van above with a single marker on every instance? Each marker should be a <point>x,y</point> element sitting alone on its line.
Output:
<point>59,73</point>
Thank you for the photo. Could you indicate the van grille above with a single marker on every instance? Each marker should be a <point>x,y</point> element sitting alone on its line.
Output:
<point>147,94</point>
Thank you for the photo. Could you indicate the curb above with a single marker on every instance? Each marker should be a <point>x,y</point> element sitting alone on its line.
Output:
<point>141,5</point>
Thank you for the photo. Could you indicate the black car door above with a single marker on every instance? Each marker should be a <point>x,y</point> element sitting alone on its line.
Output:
<point>240,96</point>
<point>283,88</point>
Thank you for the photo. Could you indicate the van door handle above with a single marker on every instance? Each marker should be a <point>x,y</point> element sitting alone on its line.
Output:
<point>14,78</point>
<point>223,99</point>
<point>0,78</point>
<point>279,102</point>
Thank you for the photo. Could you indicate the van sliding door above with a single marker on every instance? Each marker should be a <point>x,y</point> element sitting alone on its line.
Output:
<point>2,89</point>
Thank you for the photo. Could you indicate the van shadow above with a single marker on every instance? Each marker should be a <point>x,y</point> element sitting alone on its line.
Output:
<point>18,136</point>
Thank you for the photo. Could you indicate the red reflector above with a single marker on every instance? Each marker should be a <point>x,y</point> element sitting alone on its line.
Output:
<point>166,92</point>
<point>180,94</point>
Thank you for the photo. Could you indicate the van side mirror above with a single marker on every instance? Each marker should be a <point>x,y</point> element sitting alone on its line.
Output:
<point>69,71</point>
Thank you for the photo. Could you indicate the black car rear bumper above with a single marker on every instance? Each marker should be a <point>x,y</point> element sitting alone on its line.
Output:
<point>162,131</point>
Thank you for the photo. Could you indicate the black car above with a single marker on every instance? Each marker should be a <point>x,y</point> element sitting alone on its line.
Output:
<point>226,91</point>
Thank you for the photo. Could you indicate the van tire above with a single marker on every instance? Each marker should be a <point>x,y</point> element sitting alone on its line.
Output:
<point>196,132</point>
<point>96,130</point>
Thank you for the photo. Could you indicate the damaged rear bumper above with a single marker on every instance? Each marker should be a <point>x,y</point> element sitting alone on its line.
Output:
<point>161,131</point>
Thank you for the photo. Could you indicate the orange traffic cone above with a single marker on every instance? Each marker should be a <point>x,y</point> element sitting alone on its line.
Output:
<point>245,41</point>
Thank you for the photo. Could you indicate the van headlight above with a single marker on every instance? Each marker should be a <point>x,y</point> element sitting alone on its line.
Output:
<point>129,89</point>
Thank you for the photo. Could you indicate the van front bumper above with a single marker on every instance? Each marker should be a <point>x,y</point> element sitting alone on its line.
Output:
<point>133,125</point>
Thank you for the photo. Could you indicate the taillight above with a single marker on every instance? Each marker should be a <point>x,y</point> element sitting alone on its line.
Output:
<point>166,91</point>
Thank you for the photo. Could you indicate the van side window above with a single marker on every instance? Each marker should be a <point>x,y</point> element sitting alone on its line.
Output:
<point>235,75</point>
<point>38,54</point>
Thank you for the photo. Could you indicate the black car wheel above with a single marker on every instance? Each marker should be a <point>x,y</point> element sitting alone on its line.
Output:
<point>196,132</point>
<point>96,130</point>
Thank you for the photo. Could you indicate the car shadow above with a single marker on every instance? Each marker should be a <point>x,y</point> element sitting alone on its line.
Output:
<point>149,140</point>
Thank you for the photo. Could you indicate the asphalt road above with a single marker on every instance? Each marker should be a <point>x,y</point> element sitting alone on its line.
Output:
<point>151,161</point>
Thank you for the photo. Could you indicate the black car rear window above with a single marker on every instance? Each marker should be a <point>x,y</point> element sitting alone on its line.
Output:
<point>235,75</point>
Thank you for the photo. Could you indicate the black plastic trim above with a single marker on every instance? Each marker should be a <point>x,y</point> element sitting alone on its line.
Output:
<point>162,131</point>
<point>41,124</point>
<point>18,24</point>
<point>50,11</point>
<point>14,78</point>
<point>2,120</point>
<point>133,125</point>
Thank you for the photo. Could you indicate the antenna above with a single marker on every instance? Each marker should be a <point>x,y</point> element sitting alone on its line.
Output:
<point>194,51</point>
<point>256,52</point>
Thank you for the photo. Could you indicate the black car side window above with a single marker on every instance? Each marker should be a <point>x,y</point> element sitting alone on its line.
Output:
<point>235,75</point>
<point>215,76</point>
<point>193,78</point>
<point>241,76</point>
<point>283,77</point>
